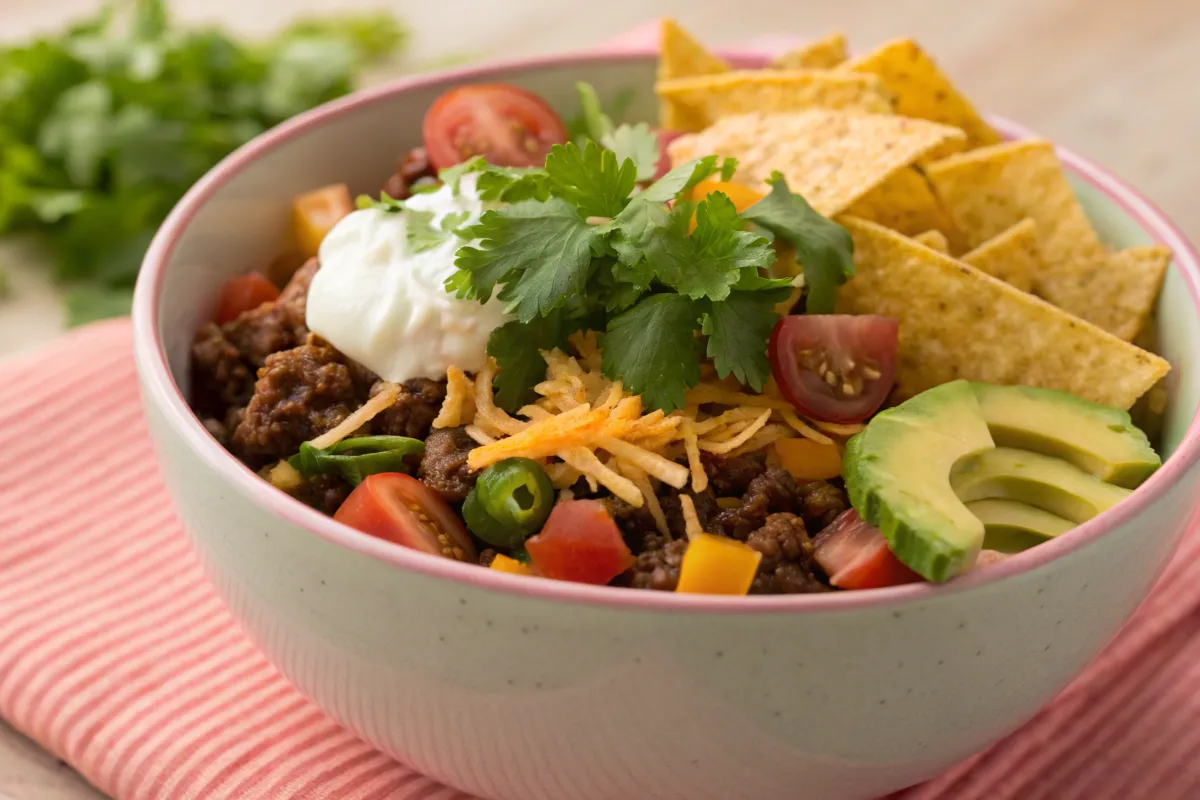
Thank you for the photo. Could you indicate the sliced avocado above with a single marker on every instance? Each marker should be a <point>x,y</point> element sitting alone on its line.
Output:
<point>1011,527</point>
<point>1098,439</point>
<point>897,473</point>
<point>1044,482</point>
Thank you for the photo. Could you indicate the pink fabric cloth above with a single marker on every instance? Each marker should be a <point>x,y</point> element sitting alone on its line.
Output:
<point>117,655</point>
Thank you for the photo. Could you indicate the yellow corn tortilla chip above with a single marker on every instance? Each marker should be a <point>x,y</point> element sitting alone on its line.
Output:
<point>922,90</point>
<point>1117,291</point>
<point>957,322</point>
<point>681,56</point>
<point>824,53</point>
<point>934,240</point>
<point>1012,256</point>
<point>708,98</point>
<point>832,158</point>
<point>905,202</point>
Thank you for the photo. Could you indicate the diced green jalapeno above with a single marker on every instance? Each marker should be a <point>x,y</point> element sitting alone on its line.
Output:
<point>509,503</point>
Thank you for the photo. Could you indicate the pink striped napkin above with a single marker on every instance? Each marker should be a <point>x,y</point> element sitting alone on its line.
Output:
<point>117,656</point>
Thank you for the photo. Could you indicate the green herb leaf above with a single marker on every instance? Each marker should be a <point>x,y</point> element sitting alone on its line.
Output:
<point>356,458</point>
<point>683,178</point>
<point>823,248</point>
<point>542,252</point>
<point>517,348</point>
<point>506,184</point>
<point>590,179</point>
<point>594,124</point>
<point>738,329</point>
<point>652,348</point>
<point>96,303</point>
<point>636,143</point>
<point>710,261</point>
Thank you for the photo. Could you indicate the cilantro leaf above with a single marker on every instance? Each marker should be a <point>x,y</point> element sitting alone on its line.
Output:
<point>541,252</point>
<point>823,248</point>
<point>593,124</point>
<point>590,179</point>
<point>420,231</point>
<point>652,348</point>
<point>517,347</point>
<point>710,261</point>
<point>684,177</point>
<point>738,329</point>
<point>636,143</point>
<point>505,184</point>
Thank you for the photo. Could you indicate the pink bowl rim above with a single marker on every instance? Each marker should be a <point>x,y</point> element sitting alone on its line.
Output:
<point>161,389</point>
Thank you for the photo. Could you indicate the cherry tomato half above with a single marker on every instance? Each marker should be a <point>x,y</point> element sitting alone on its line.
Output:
<point>856,556</point>
<point>401,509</point>
<point>580,542</point>
<point>510,127</point>
<point>244,293</point>
<point>833,367</point>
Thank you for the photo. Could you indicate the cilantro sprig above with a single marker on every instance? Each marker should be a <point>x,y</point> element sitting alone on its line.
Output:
<point>104,126</point>
<point>667,280</point>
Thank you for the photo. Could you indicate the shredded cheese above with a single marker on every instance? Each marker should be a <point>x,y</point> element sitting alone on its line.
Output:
<point>845,431</point>
<point>476,433</point>
<point>691,521</point>
<point>642,482</point>
<point>804,430</point>
<point>361,416</point>
<point>586,462</point>
<point>691,446</point>
<point>742,437</point>
<point>651,463</point>
<point>459,403</point>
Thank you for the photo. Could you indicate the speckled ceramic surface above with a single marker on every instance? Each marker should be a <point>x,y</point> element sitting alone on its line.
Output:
<point>520,689</point>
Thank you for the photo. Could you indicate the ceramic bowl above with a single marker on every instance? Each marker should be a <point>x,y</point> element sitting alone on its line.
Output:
<point>522,689</point>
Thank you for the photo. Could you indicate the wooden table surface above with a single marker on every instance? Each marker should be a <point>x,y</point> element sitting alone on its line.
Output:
<point>1112,79</point>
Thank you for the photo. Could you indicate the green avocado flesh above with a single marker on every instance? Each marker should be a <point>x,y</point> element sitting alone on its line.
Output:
<point>1011,527</point>
<point>1044,482</point>
<point>1100,440</point>
<point>897,473</point>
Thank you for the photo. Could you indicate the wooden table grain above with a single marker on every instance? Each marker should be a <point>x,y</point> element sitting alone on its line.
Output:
<point>1112,79</point>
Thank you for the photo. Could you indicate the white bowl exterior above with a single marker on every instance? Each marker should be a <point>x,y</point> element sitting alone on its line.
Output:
<point>515,697</point>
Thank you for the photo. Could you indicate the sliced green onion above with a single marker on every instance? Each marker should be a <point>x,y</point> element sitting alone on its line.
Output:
<point>357,457</point>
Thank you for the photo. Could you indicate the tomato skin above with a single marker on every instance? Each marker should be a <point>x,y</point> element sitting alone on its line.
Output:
<point>244,293</point>
<point>664,158</point>
<point>856,556</point>
<point>862,341</point>
<point>401,509</point>
<point>581,543</point>
<point>510,127</point>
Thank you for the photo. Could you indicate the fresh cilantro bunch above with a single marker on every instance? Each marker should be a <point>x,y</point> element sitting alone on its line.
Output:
<point>583,246</point>
<point>104,126</point>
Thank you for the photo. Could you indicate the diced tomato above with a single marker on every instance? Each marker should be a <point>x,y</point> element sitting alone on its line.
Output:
<point>244,293</point>
<point>508,126</point>
<point>314,215</point>
<point>856,556</point>
<point>401,509</point>
<point>834,367</point>
<point>580,542</point>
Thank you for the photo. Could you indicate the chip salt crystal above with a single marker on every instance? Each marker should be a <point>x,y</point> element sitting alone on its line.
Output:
<point>382,301</point>
<point>831,158</point>
<point>957,322</point>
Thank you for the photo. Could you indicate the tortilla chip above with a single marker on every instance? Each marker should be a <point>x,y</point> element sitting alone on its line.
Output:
<point>905,202</point>
<point>1013,256</point>
<point>708,98</point>
<point>681,56</point>
<point>824,53</point>
<point>1116,292</point>
<point>832,158</point>
<point>921,89</point>
<point>957,322</point>
<point>988,191</point>
<point>934,240</point>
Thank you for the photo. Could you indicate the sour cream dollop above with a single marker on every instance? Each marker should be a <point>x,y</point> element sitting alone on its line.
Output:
<point>386,306</point>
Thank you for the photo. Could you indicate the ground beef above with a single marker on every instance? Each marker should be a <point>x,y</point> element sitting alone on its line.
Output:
<point>786,566</point>
<point>657,566</point>
<point>486,557</point>
<point>818,502</point>
<point>413,412</point>
<point>300,394</point>
<point>324,493</point>
<point>636,524</point>
<point>706,510</point>
<point>220,379</point>
<point>414,166</point>
<point>730,476</point>
<point>444,465</point>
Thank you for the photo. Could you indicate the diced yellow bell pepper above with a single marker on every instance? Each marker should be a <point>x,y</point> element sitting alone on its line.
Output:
<point>502,563</point>
<point>808,460</point>
<point>314,215</point>
<point>717,565</point>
